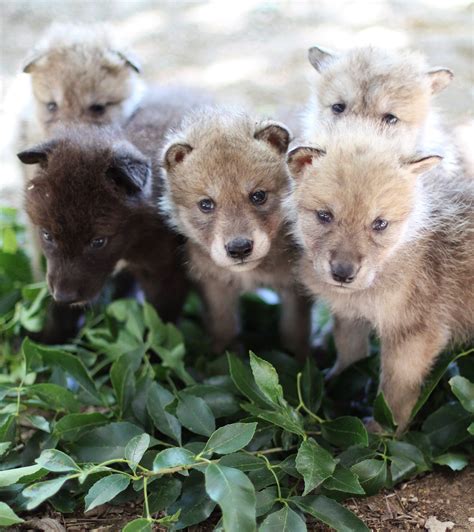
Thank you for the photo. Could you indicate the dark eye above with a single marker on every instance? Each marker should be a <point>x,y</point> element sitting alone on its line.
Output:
<point>47,237</point>
<point>206,205</point>
<point>338,108</point>
<point>98,243</point>
<point>379,224</point>
<point>259,197</point>
<point>97,109</point>
<point>390,119</point>
<point>324,217</point>
<point>52,107</point>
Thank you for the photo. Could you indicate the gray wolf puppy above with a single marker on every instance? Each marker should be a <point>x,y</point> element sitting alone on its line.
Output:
<point>225,179</point>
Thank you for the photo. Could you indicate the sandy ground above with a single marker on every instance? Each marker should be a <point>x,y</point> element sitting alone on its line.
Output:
<point>249,52</point>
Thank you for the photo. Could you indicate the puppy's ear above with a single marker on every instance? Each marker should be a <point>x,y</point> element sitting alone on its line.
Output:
<point>274,134</point>
<point>34,62</point>
<point>319,57</point>
<point>440,78</point>
<point>420,166</point>
<point>131,170</point>
<point>300,157</point>
<point>130,60</point>
<point>175,155</point>
<point>37,154</point>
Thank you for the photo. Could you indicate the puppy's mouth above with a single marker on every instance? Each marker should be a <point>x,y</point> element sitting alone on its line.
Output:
<point>244,265</point>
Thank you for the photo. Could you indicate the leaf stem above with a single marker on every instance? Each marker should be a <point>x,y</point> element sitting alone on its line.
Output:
<point>277,482</point>
<point>301,402</point>
<point>145,495</point>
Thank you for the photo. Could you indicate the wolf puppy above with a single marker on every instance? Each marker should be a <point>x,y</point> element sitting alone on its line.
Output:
<point>386,242</point>
<point>94,201</point>
<point>226,176</point>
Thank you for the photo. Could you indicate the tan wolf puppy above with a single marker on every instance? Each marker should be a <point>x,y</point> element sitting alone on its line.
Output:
<point>78,74</point>
<point>385,242</point>
<point>226,176</point>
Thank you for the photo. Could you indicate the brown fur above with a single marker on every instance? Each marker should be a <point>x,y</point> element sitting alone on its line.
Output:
<point>414,280</point>
<point>226,156</point>
<point>98,182</point>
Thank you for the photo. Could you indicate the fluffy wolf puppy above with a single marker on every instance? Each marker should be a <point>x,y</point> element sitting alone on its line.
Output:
<point>386,242</point>
<point>93,202</point>
<point>225,178</point>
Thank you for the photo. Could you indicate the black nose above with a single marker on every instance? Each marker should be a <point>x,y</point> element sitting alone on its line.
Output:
<point>65,296</point>
<point>239,248</point>
<point>342,271</point>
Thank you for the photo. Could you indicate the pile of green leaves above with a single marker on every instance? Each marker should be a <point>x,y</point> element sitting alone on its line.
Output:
<point>137,410</point>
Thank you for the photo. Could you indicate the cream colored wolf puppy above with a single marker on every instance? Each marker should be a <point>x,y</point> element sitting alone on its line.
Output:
<point>385,242</point>
<point>226,176</point>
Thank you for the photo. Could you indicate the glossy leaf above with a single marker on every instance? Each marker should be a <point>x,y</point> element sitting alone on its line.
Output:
<point>56,461</point>
<point>230,438</point>
<point>372,474</point>
<point>42,491</point>
<point>105,489</point>
<point>315,464</point>
<point>284,520</point>
<point>345,431</point>
<point>464,391</point>
<point>266,379</point>
<point>7,516</point>
<point>195,415</point>
<point>344,480</point>
<point>172,457</point>
<point>382,413</point>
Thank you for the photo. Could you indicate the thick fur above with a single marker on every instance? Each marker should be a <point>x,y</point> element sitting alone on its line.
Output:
<point>414,280</point>
<point>226,156</point>
<point>102,182</point>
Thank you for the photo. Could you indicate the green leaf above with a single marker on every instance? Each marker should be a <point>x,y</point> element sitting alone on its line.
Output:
<point>266,378</point>
<point>235,494</point>
<point>401,467</point>
<point>464,391</point>
<point>8,516</point>
<point>243,461</point>
<point>8,429</point>
<point>372,473</point>
<point>222,402</point>
<point>138,525</point>
<point>163,493</point>
<point>345,431</point>
<point>266,500</point>
<point>56,461</point>
<point>315,464</point>
<point>284,520</point>
<point>288,419</point>
<point>230,438</point>
<point>330,512</point>
<point>456,461</point>
<point>39,422</point>
<point>172,457</point>
<point>382,413</point>
<point>106,442</point>
<point>158,399</point>
<point>12,476</point>
<point>41,491</point>
<point>409,451</point>
<point>243,380</point>
<point>470,429</point>
<point>344,480</point>
<point>195,415</point>
<point>312,385</point>
<point>123,381</point>
<point>447,426</point>
<point>136,448</point>
<point>105,489</point>
<point>55,397</point>
<point>71,426</point>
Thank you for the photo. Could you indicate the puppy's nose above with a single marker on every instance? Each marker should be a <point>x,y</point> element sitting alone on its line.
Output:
<point>342,271</point>
<point>239,248</point>
<point>66,296</point>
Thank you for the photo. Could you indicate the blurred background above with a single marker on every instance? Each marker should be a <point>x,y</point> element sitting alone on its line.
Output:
<point>248,52</point>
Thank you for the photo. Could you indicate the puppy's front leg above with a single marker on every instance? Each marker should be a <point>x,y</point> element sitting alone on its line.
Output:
<point>295,323</point>
<point>405,362</point>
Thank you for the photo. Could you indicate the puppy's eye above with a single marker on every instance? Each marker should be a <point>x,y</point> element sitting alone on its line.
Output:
<point>390,119</point>
<point>338,108</point>
<point>97,243</point>
<point>325,217</point>
<point>206,205</point>
<point>379,224</point>
<point>47,237</point>
<point>97,109</point>
<point>259,197</point>
<point>52,107</point>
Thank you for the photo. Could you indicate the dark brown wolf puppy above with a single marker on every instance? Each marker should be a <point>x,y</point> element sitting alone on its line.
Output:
<point>94,202</point>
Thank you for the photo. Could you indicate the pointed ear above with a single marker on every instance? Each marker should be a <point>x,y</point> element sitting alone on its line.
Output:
<point>274,134</point>
<point>319,57</point>
<point>131,170</point>
<point>421,166</point>
<point>440,78</point>
<point>130,60</point>
<point>33,62</point>
<point>37,154</point>
<point>299,157</point>
<point>175,154</point>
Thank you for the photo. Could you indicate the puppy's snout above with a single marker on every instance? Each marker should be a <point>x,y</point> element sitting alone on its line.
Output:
<point>66,296</point>
<point>342,271</point>
<point>239,248</point>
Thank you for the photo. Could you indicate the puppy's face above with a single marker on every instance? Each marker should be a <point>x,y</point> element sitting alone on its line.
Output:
<point>354,208</point>
<point>80,203</point>
<point>226,192</point>
<point>86,85</point>
<point>392,90</point>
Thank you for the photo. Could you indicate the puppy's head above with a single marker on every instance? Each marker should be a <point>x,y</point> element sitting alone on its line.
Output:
<point>225,179</point>
<point>393,89</point>
<point>85,192</point>
<point>79,74</point>
<point>355,204</point>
